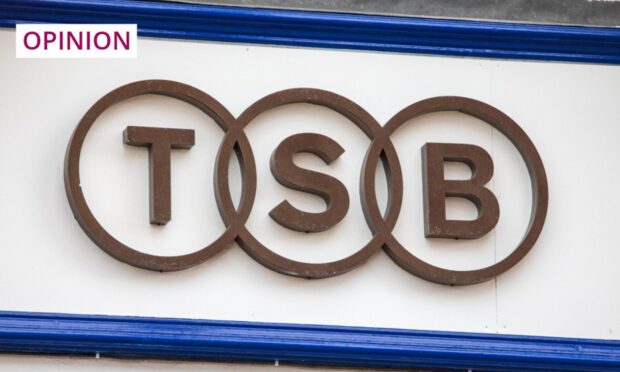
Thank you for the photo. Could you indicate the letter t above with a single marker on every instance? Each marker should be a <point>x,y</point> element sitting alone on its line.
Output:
<point>159,141</point>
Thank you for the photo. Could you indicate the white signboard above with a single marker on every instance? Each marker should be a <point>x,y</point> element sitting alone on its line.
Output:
<point>565,286</point>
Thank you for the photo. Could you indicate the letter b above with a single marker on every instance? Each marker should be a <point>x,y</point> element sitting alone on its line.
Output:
<point>437,189</point>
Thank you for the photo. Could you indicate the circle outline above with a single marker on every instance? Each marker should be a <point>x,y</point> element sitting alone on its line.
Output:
<point>364,121</point>
<point>538,179</point>
<point>77,201</point>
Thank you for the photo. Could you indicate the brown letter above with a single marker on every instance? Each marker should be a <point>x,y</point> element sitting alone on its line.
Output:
<point>290,175</point>
<point>437,189</point>
<point>159,141</point>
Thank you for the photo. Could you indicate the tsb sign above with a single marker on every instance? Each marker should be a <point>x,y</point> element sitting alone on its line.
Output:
<point>160,142</point>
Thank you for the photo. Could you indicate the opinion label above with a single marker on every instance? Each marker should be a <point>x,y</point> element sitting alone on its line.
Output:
<point>76,41</point>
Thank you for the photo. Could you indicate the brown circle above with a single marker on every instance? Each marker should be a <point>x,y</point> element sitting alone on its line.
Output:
<point>82,212</point>
<point>521,141</point>
<point>255,248</point>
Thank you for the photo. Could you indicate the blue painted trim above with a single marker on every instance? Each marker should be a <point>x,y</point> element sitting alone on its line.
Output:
<point>121,336</point>
<point>330,30</point>
<point>325,345</point>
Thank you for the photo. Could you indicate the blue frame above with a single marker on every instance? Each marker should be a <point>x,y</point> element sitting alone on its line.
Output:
<point>330,30</point>
<point>289,343</point>
<point>120,336</point>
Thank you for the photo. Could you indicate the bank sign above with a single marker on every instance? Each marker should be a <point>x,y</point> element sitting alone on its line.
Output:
<point>161,142</point>
<point>286,186</point>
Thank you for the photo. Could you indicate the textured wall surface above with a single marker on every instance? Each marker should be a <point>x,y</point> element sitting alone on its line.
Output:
<point>573,12</point>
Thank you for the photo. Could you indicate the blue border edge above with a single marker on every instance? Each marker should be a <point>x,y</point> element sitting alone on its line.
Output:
<point>330,30</point>
<point>168,338</point>
<point>118,336</point>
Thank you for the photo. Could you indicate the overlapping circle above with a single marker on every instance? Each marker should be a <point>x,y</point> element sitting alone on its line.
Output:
<point>235,218</point>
